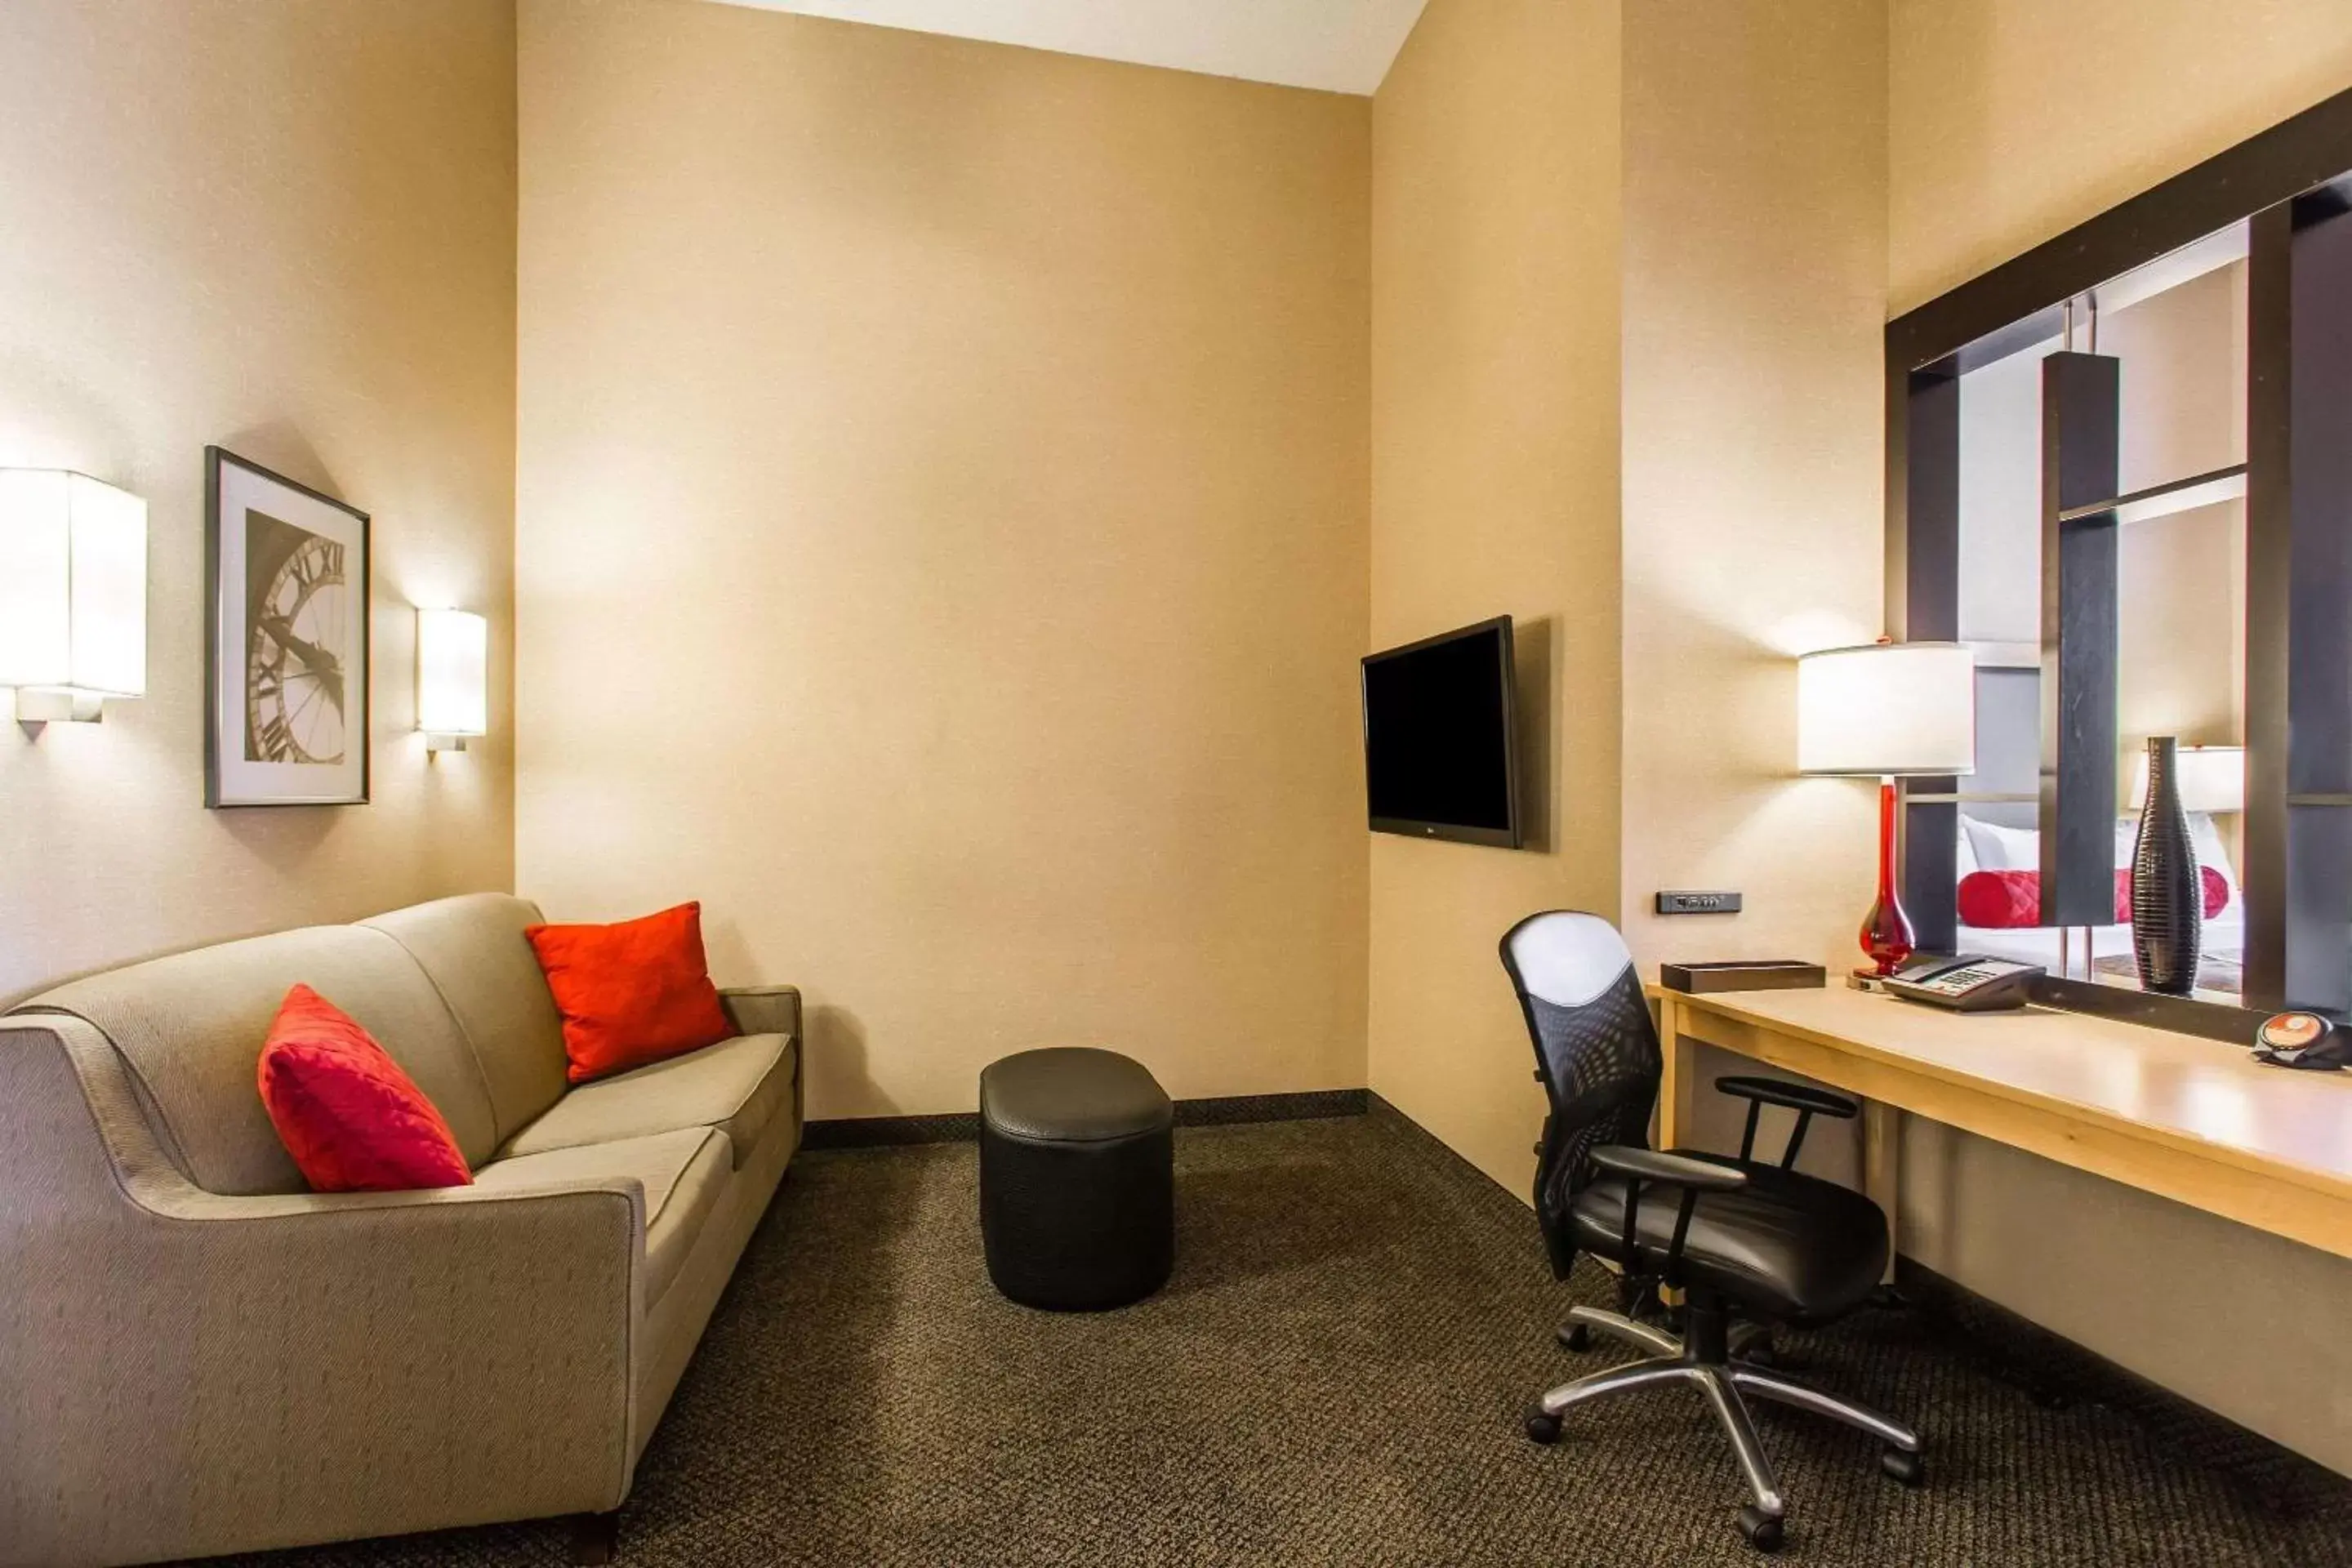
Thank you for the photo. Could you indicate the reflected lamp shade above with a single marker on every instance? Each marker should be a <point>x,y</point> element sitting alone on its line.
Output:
<point>1882,710</point>
<point>2210,778</point>
<point>453,655</point>
<point>1887,709</point>
<point>73,593</point>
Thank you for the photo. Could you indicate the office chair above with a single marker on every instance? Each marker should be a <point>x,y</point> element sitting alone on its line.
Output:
<point>1748,1244</point>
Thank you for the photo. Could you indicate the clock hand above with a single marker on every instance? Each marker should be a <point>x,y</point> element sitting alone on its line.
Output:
<point>318,663</point>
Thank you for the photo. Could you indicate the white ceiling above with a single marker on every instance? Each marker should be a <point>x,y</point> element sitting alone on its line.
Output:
<point>1341,46</point>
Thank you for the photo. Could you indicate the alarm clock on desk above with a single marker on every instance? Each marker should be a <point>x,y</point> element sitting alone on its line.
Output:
<point>2301,1040</point>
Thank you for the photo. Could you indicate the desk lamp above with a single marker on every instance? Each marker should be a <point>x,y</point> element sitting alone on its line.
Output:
<point>1887,710</point>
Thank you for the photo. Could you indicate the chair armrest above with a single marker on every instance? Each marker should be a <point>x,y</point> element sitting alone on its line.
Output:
<point>302,1367</point>
<point>1794,1096</point>
<point>1803,1099</point>
<point>1692,1176</point>
<point>1679,1170</point>
<point>763,1009</point>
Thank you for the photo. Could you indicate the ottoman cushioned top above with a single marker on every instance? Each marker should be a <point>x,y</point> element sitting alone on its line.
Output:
<point>1071,1094</point>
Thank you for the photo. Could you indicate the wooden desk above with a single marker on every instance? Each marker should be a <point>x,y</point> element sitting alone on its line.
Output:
<point>2192,1120</point>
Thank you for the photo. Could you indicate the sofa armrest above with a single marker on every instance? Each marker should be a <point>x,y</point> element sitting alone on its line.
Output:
<point>763,1009</point>
<point>206,1373</point>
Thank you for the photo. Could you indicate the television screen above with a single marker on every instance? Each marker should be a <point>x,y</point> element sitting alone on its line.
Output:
<point>1439,747</point>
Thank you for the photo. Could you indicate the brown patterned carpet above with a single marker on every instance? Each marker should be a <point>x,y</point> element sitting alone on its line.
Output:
<point>1335,1376</point>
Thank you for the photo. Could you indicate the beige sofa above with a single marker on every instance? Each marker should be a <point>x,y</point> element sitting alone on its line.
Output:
<point>198,1354</point>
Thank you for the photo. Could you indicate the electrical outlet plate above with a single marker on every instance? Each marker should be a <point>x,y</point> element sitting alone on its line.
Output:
<point>1698,903</point>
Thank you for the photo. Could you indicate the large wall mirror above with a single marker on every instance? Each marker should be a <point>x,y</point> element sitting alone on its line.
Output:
<point>2120,468</point>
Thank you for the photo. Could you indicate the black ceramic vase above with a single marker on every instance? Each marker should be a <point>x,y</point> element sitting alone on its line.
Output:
<point>2168,901</point>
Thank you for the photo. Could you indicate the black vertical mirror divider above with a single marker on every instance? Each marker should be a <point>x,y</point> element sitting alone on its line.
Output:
<point>2299,574</point>
<point>2082,424</point>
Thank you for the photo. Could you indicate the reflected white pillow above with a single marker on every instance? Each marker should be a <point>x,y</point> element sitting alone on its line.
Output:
<point>2000,848</point>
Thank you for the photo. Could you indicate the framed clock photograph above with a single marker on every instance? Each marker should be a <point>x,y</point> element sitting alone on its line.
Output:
<point>286,721</point>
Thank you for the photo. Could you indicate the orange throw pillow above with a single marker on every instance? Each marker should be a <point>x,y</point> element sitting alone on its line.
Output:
<point>633,992</point>
<point>353,1121</point>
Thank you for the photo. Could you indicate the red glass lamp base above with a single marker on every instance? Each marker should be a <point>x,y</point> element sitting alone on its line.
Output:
<point>1887,938</point>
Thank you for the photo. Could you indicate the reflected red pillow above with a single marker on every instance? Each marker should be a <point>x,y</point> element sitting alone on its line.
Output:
<point>2000,901</point>
<point>353,1120</point>
<point>631,993</point>
<point>2005,900</point>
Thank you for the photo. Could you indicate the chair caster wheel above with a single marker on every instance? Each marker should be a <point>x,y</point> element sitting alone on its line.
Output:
<point>1541,1427</point>
<point>1911,1469</point>
<point>1758,1529</point>
<point>1577,1337</point>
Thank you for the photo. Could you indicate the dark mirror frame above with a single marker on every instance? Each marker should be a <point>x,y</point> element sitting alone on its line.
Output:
<point>2293,186</point>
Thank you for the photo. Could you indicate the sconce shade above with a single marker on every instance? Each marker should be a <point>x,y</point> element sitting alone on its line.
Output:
<point>453,657</point>
<point>1887,709</point>
<point>73,584</point>
<point>2212,778</point>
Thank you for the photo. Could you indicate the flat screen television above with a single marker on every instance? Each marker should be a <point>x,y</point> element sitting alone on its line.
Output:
<point>1440,748</point>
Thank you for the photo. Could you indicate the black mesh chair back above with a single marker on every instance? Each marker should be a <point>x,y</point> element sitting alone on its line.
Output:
<point>1596,1051</point>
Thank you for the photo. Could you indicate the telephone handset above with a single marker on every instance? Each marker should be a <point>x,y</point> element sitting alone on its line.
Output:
<point>1969,983</point>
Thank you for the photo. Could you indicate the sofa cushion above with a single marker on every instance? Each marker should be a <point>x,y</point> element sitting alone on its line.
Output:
<point>632,992</point>
<point>737,1086</point>
<point>684,1174</point>
<point>353,1121</point>
<point>189,1028</point>
<point>473,949</point>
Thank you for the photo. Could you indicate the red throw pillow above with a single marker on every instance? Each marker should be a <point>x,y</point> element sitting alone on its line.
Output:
<point>2003,901</point>
<point>2000,901</point>
<point>353,1121</point>
<point>2217,891</point>
<point>632,993</point>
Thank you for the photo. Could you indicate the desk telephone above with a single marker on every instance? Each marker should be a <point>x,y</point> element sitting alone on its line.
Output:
<point>1969,983</point>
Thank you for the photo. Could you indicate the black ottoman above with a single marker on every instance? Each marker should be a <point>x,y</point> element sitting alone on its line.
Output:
<point>1078,1179</point>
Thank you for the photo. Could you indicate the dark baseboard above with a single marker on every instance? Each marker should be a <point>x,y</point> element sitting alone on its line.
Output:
<point>878,1132</point>
<point>1307,1106</point>
<point>2054,1370</point>
<point>963,1127</point>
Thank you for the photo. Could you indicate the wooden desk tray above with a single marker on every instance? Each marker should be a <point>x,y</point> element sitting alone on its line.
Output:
<point>1743,974</point>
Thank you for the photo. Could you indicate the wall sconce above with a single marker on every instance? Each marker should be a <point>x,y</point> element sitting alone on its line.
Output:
<point>73,593</point>
<point>453,662</point>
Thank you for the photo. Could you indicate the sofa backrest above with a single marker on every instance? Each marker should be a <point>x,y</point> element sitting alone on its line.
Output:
<point>473,947</point>
<point>190,1028</point>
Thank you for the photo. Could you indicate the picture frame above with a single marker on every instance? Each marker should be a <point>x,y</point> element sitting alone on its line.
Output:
<point>286,665</point>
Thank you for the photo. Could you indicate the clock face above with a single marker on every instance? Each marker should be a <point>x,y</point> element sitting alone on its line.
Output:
<point>294,658</point>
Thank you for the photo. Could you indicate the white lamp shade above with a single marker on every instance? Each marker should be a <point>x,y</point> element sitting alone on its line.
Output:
<point>2212,778</point>
<point>1888,708</point>
<point>73,583</point>
<point>452,665</point>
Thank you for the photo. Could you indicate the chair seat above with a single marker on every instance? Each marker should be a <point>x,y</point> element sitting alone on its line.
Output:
<point>736,1086</point>
<point>1786,1246</point>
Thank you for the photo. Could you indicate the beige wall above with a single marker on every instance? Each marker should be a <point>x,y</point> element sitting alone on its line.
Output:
<point>2012,120</point>
<point>286,227</point>
<point>942,478</point>
<point>1755,257</point>
<point>1494,477</point>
